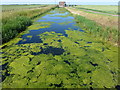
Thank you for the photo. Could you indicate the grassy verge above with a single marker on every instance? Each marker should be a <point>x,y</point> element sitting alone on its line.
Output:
<point>105,33</point>
<point>18,21</point>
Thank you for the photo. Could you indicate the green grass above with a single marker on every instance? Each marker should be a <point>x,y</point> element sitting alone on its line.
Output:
<point>25,12</point>
<point>105,33</point>
<point>14,26</point>
<point>100,8</point>
<point>20,7</point>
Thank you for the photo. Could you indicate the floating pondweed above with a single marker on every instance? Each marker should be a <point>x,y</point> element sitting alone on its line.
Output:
<point>38,26</point>
<point>29,36</point>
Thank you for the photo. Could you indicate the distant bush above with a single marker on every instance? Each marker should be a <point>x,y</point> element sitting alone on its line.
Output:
<point>14,26</point>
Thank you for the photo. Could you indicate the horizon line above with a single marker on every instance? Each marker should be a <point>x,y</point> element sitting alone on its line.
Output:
<point>77,3</point>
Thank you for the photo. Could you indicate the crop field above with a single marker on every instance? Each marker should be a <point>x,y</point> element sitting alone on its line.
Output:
<point>100,8</point>
<point>52,47</point>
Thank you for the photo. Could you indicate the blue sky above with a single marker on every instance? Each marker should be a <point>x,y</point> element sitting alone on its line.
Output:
<point>111,2</point>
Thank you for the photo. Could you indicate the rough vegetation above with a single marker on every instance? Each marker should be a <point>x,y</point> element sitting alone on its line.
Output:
<point>105,33</point>
<point>14,26</point>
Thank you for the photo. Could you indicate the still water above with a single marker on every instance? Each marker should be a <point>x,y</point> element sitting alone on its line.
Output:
<point>59,19</point>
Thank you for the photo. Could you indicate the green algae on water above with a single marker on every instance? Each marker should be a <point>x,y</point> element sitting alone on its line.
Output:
<point>73,61</point>
<point>29,36</point>
<point>37,26</point>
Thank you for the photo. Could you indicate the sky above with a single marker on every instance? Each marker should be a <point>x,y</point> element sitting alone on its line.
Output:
<point>56,1</point>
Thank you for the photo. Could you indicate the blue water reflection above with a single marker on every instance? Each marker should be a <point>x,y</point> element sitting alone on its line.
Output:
<point>56,18</point>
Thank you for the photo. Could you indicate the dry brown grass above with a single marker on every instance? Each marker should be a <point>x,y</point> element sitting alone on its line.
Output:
<point>104,20</point>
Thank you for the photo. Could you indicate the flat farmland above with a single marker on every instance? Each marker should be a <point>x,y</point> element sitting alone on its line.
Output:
<point>113,9</point>
<point>11,10</point>
<point>20,7</point>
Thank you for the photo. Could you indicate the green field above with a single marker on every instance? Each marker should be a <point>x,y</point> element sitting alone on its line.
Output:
<point>100,8</point>
<point>20,7</point>
<point>10,10</point>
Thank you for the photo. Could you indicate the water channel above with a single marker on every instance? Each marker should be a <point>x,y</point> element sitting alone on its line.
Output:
<point>59,20</point>
<point>55,52</point>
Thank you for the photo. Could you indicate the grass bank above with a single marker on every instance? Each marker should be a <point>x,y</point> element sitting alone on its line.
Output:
<point>105,32</point>
<point>15,22</point>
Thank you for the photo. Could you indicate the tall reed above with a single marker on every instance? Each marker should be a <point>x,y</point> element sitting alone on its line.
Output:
<point>105,33</point>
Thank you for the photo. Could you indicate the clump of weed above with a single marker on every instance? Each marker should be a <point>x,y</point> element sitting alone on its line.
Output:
<point>14,26</point>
